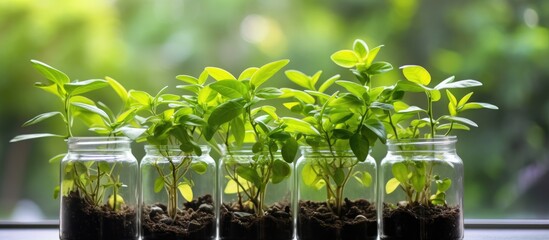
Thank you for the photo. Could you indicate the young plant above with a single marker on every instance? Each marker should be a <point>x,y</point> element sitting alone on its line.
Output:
<point>340,120</point>
<point>238,119</point>
<point>416,178</point>
<point>93,179</point>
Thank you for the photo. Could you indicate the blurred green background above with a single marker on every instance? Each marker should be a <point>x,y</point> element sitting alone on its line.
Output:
<point>145,43</point>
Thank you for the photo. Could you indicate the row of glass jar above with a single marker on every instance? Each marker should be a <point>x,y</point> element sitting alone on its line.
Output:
<point>324,195</point>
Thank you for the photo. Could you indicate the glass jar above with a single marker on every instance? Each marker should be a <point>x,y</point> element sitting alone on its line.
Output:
<point>178,192</point>
<point>256,197</point>
<point>99,190</point>
<point>336,195</point>
<point>421,184</point>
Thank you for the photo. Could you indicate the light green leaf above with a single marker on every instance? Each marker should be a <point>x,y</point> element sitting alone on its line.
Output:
<point>247,73</point>
<point>268,93</point>
<point>361,49</point>
<point>435,95</point>
<point>328,83</point>
<point>219,74</point>
<point>379,67</point>
<point>103,167</point>
<point>230,88</point>
<point>347,100</point>
<point>400,172</point>
<point>443,185</point>
<point>92,109</point>
<point>354,88</point>
<point>52,88</point>
<point>416,74</point>
<point>52,74</point>
<point>408,86</point>
<point>199,167</point>
<point>345,58</point>
<point>249,174</point>
<point>267,71</point>
<point>158,184</point>
<point>451,98</point>
<point>365,179</point>
<point>360,146</point>
<point>461,120</point>
<point>41,118</point>
<point>281,170</point>
<point>77,88</point>
<point>391,185</point>
<point>118,88</point>
<point>225,112</point>
<point>300,79</point>
<point>300,95</point>
<point>418,181</point>
<point>372,55</point>
<point>232,186</point>
<point>116,202</point>
<point>378,128</point>
<point>238,130</point>
<point>186,191</point>
<point>289,150</point>
<point>308,175</point>
<point>444,82</point>
<point>339,176</point>
<point>464,99</point>
<point>478,105</point>
<point>187,79</point>
<point>140,98</point>
<point>57,158</point>
<point>412,109</point>
<point>455,126</point>
<point>33,136</point>
<point>299,126</point>
<point>462,84</point>
<point>205,95</point>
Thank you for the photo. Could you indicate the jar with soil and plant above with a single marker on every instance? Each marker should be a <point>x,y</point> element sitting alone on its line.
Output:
<point>99,175</point>
<point>337,184</point>
<point>255,175</point>
<point>421,178</point>
<point>178,187</point>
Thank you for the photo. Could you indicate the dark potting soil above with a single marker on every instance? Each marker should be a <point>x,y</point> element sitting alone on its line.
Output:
<point>420,222</point>
<point>196,221</point>
<point>242,224</point>
<point>358,221</point>
<point>82,221</point>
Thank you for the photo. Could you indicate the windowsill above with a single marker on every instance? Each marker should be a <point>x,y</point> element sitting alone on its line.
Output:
<point>474,230</point>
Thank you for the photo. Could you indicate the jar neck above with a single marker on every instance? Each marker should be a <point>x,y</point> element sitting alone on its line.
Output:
<point>172,150</point>
<point>99,144</point>
<point>437,144</point>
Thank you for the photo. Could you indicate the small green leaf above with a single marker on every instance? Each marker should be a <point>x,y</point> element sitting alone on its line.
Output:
<point>268,93</point>
<point>400,172</point>
<point>238,130</point>
<point>391,185</point>
<point>360,146</point>
<point>230,88</point>
<point>443,185</point>
<point>299,126</point>
<point>461,120</point>
<point>192,120</point>
<point>361,48</point>
<point>57,158</point>
<point>158,184</point>
<point>418,181</point>
<point>464,99</point>
<point>308,175</point>
<point>342,133</point>
<point>442,84</point>
<point>247,73</point>
<point>379,67</point>
<point>249,174</point>
<point>300,79</point>
<point>51,73</point>
<point>365,179</point>
<point>281,170</point>
<point>41,118</point>
<point>56,192</point>
<point>140,98</point>
<point>345,58</point>
<point>92,109</point>
<point>188,79</point>
<point>339,176</point>
<point>77,88</point>
<point>267,71</point>
<point>435,95</point>
<point>354,88</point>
<point>347,100</point>
<point>219,74</point>
<point>454,126</point>
<point>408,86</point>
<point>289,150</point>
<point>328,83</point>
<point>118,88</point>
<point>103,167</point>
<point>478,105</point>
<point>462,84</point>
<point>451,98</point>
<point>416,74</point>
<point>115,202</point>
<point>33,136</point>
<point>372,55</point>
<point>378,128</point>
<point>299,95</point>
<point>186,191</point>
<point>225,112</point>
<point>199,167</point>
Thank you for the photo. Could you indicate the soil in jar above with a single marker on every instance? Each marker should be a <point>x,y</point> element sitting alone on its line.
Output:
<point>420,222</point>
<point>196,221</point>
<point>241,223</point>
<point>83,221</point>
<point>358,221</point>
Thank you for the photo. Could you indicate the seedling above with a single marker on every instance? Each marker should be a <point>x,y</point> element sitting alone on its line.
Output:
<point>340,120</point>
<point>416,178</point>
<point>238,119</point>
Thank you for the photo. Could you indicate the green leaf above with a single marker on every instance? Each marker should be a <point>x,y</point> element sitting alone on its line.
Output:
<point>347,100</point>
<point>118,88</point>
<point>247,73</point>
<point>158,184</point>
<point>115,202</point>
<point>379,67</point>
<point>461,84</point>
<point>199,167</point>
<point>416,74</point>
<point>300,95</point>
<point>478,105</point>
<point>408,86</point>
<point>77,88</point>
<point>92,109</point>
<point>186,191</point>
<point>308,175</point>
<point>268,93</point>
<point>300,79</point>
<point>455,126</point>
<point>230,88</point>
<point>249,174</point>
<point>461,120</point>
<point>281,170</point>
<point>103,166</point>
<point>225,112</point>
<point>41,118</point>
<point>442,84</point>
<point>219,74</point>
<point>451,98</point>
<point>418,181</point>
<point>328,83</point>
<point>345,58</point>
<point>57,158</point>
<point>435,95</point>
<point>192,120</point>
<point>132,132</point>
<point>361,48</point>
<point>238,130</point>
<point>360,146</point>
<point>339,176</point>
<point>299,126</point>
<point>372,55</point>
<point>400,172</point>
<point>56,192</point>
<point>443,185</point>
<point>342,133</point>
<point>52,74</point>
<point>33,136</point>
<point>412,109</point>
<point>391,185</point>
<point>365,179</point>
<point>377,128</point>
<point>52,88</point>
<point>289,150</point>
<point>267,71</point>
<point>140,98</point>
<point>464,99</point>
<point>187,79</point>
<point>354,88</point>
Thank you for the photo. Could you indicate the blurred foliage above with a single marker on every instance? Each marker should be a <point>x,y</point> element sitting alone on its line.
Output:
<point>144,44</point>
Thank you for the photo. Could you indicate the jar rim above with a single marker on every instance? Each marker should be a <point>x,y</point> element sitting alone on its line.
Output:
<point>435,140</point>
<point>89,140</point>
<point>172,147</point>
